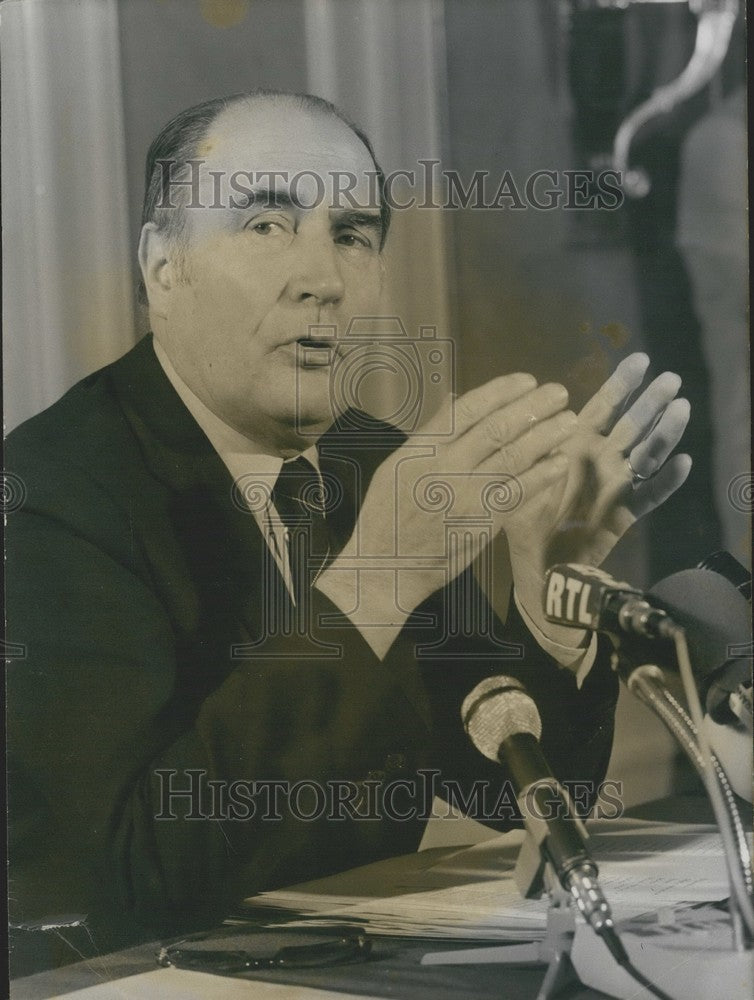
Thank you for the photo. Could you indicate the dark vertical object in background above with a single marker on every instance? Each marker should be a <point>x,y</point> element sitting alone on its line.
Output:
<point>597,75</point>
<point>517,308</point>
<point>616,59</point>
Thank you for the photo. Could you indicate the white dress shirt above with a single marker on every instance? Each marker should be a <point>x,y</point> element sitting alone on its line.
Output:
<point>246,462</point>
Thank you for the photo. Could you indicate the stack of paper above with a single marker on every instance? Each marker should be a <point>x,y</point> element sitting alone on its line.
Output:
<point>470,892</point>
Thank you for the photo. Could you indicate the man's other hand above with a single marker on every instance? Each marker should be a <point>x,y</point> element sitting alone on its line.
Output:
<point>439,498</point>
<point>620,467</point>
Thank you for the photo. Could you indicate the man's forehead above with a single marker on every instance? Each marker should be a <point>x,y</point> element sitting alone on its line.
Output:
<point>274,135</point>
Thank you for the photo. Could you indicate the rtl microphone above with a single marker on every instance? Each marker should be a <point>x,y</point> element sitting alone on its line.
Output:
<point>588,598</point>
<point>503,723</point>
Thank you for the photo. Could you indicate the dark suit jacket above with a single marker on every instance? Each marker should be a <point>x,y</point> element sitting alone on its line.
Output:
<point>133,579</point>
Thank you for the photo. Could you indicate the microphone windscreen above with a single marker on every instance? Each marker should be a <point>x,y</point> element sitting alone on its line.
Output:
<point>714,614</point>
<point>727,565</point>
<point>497,709</point>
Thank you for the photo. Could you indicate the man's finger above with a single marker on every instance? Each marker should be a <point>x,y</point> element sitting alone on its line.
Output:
<point>651,453</point>
<point>607,404</point>
<point>504,425</point>
<point>515,491</point>
<point>545,503</point>
<point>528,450</point>
<point>645,412</point>
<point>656,490</point>
<point>474,405</point>
<point>535,444</point>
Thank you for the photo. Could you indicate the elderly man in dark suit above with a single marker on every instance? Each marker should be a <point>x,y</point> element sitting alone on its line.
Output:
<point>189,660</point>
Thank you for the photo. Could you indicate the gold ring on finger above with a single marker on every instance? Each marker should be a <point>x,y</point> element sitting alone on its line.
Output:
<point>636,477</point>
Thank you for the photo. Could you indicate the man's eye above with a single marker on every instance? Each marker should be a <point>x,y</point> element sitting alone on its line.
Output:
<point>277,226</point>
<point>264,228</point>
<point>352,239</point>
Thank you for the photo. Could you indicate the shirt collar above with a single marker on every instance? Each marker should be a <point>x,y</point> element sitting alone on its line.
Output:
<point>240,454</point>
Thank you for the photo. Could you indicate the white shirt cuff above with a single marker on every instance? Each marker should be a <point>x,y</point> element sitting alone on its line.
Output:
<point>577,659</point>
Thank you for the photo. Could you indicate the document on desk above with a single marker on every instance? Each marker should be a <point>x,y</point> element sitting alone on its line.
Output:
<point>180,984</point>
<point>470,893</point>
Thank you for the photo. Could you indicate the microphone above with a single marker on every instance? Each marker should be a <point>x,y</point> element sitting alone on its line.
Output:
<point>503,723</point>
<point>726,565</point>
<point>587,597</point>
<point>716,618</point>
<point>711,608</point>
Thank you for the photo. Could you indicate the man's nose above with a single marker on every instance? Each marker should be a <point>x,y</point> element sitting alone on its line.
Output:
<point>317,272</point>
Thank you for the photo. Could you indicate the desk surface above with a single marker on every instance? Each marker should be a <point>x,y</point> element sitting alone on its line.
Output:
<point>394,969</point>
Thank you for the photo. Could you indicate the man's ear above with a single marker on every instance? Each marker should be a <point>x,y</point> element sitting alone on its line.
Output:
<point>157,268</point>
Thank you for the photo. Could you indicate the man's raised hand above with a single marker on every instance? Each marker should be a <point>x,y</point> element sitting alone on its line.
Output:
<point>621,466</point>
<point>501,453</point>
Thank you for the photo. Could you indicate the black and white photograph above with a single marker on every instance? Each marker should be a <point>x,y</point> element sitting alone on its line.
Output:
<point>377,499</point>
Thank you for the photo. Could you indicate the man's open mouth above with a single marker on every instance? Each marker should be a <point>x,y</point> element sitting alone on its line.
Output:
<point>315,353</point>
<point>309,342</point>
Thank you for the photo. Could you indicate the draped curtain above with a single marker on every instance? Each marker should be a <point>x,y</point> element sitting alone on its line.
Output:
<point>67,288</point>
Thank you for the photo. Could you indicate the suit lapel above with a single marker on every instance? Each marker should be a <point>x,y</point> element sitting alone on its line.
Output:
<point>228,558</point>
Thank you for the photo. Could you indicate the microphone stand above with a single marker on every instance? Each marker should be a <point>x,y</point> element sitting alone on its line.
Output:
<point>646,681</point>
<point>532,875</point>
<point>573,956</point>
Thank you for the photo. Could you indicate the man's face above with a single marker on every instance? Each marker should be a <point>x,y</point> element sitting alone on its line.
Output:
<point>256,278</point>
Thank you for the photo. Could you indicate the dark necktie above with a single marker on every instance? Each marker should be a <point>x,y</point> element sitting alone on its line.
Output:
<point>300,501</point>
